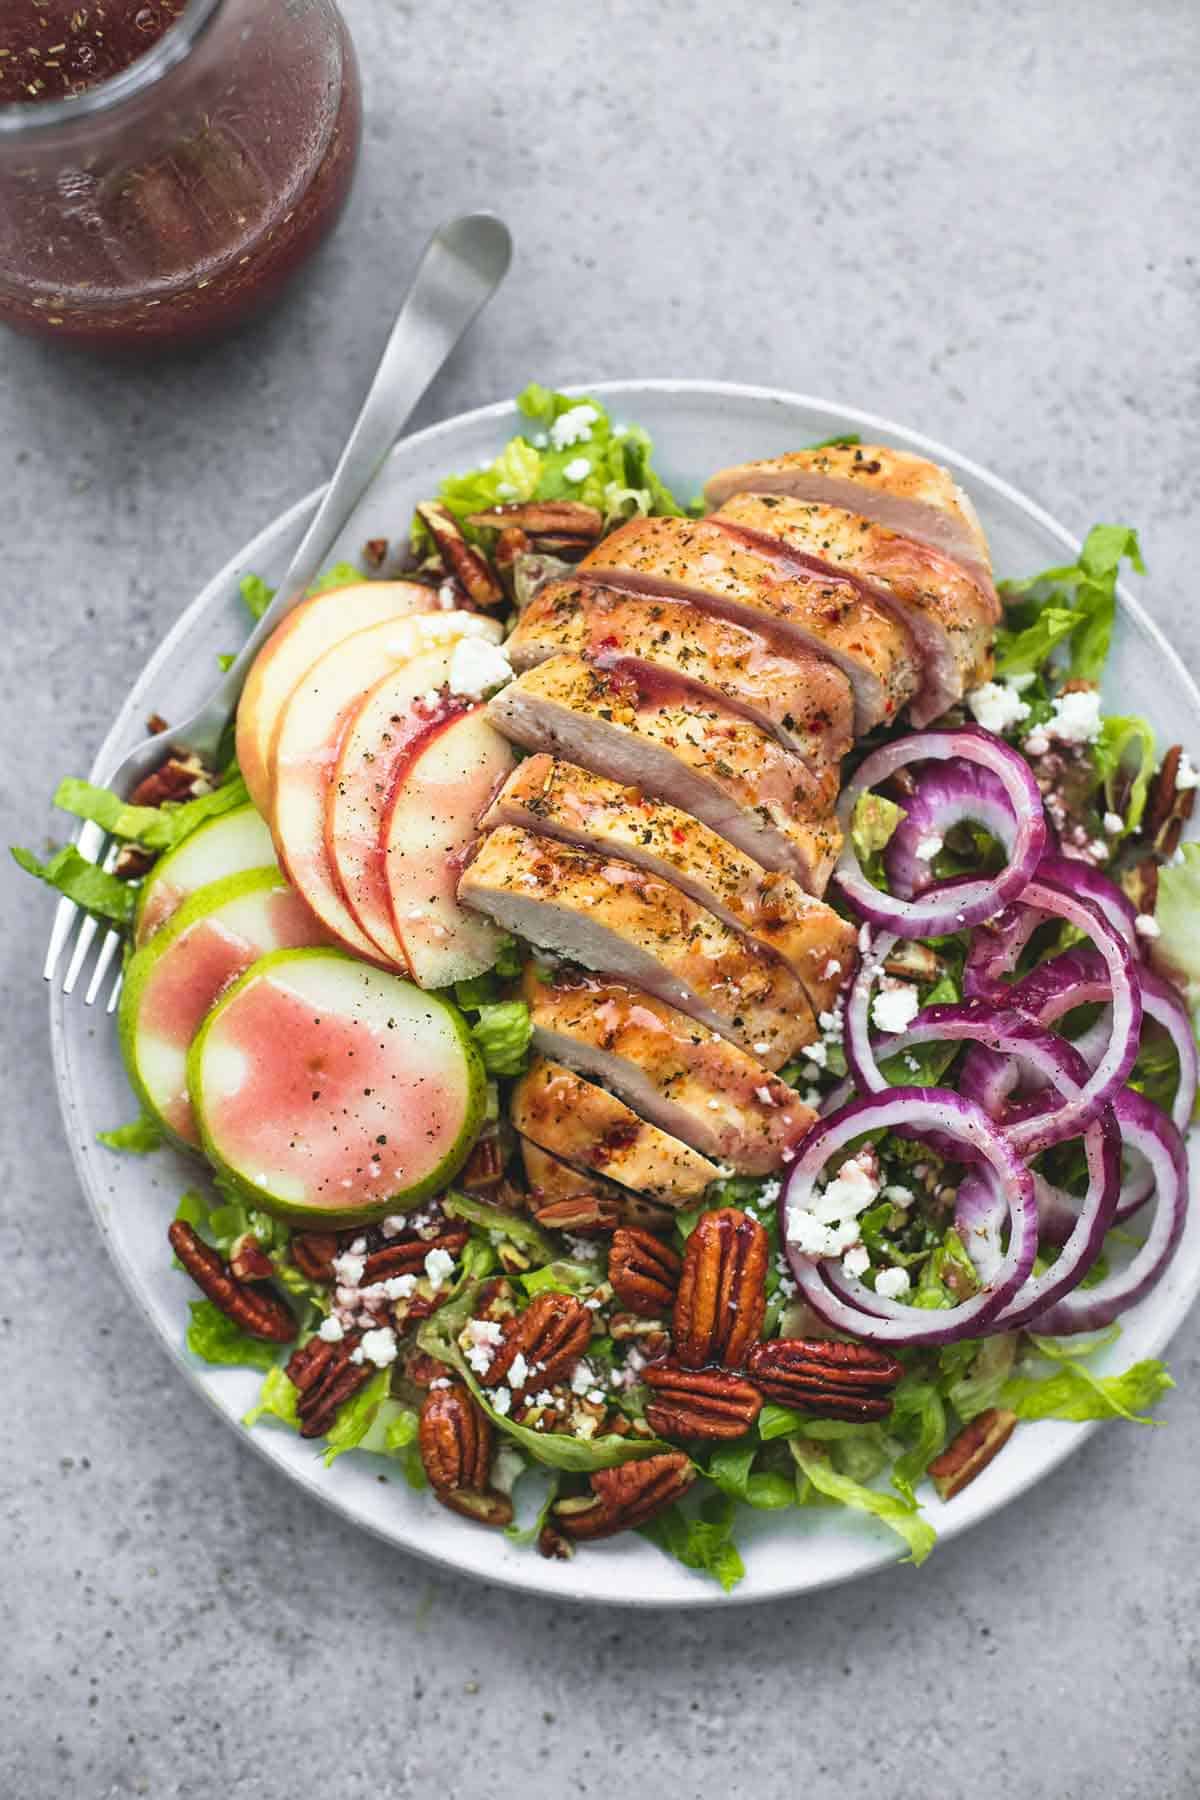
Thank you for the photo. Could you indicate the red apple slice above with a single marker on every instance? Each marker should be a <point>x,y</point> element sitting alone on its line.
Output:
<point>307,743</point>
<point>432,819</point>
<point>314,627</point>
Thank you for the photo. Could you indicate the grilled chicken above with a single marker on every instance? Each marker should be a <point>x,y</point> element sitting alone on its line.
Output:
<point>557,799</point>
<point>801,698</point>
<point>581,1123</point>
<point>555,1183</point>
<point>611,916</point>
<point>718,767</point>
<point>761,585</point>
<point>669,1068</point>
<point>902,491</point>
<point>951,618</point>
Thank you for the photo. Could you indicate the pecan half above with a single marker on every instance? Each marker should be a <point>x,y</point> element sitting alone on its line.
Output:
<point>542,518</point>
<point>249,1261</point>
<point>511,543</point>
<point>488,1508</point>
<point>484,1168</point>
<point>587,1215</point>
<point>177,778</point>
<point>455,1440</point>
<point>626,1496</point>
<point>375,552</point>
<point>967,1455</point>
<point>132,862</point>
<point>699,1403</point>
<point>326,1378</point>
<point>644,1272</point>
<point>722,1291</point>
<point>407,1256</point>
<point>830,1380</point>
<point>156,724</point>
<point>313,1253</point>
<point>551,1334</point>
<point>461,558</point>
<point>260,1313</point>
<point>1169,806</point>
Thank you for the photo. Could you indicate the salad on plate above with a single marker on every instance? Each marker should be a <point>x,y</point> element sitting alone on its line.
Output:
<point>676,1008</point>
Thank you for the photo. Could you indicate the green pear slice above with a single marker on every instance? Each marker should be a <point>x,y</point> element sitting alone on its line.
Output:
<point>236,841</point>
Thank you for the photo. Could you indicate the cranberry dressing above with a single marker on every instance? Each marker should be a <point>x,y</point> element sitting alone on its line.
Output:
<point>174,213</point>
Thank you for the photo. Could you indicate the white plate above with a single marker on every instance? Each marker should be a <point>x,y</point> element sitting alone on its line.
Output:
<point>697,427</point>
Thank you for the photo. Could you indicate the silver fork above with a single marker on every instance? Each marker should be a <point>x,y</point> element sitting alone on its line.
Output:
<point>464,263</point>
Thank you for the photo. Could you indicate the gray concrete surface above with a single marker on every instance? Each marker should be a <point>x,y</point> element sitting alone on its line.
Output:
<point>978,218</point>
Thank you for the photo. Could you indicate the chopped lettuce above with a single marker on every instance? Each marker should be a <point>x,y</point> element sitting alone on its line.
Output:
<point>277,1399</point>
<point>256,594</point>
<point>215,1338</point>
<point>502,1033</point>
<point>918,1418</point>
<point>561,1277</point>
<point>1025,652</point>
<point>1073,1392</point>
<point>138,1138</point>
<point>1086,589</point>
<point>731,1467</point>
<point>703,1542</point>
<point>524,1233</point>
<point>157,827</point>
<point>901,1515</point>
<point>94,889</point>
<point>550,1480</point>
<point>356,1417</point>
<point>973,1389</point>
<point>1177,913</point>
<point>1124,756</point>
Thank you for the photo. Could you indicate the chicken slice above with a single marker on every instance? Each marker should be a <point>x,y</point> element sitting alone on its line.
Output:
<point>951,618</point>
<point>719,768</point>
<point>762,585</point>
<point>553,1182</point>
<point>796,695</point>
<point>906,493</point>
<point>611,916</point>
<point>559,800</point>
<point>669,1068</point>
<point>575,1120</point>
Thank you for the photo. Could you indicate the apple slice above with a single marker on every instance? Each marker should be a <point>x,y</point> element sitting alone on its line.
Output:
<point>307,742</point>
<point>174,979</point>
<point>227,845</point>
<point>431,821</point>
<point>328,1091</point>
<point>312,628</point>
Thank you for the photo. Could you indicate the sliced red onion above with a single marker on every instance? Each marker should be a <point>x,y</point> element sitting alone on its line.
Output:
<point>944,796</point>
<point>846,1303</point>
<point>996,949</point>
<point>950,905</point>
<point>1081,879</point>
<point>1147,1129</point>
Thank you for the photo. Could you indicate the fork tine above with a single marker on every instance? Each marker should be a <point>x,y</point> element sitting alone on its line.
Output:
<point>108,950</point>
<point>87,930</point>
<point>89,844</point>
<point>115,995</point>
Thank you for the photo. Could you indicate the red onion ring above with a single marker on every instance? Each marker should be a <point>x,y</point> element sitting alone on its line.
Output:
<point>995,951</point>
<point>942,797</point>
<point>846,1303</point>
<point>948,906</point>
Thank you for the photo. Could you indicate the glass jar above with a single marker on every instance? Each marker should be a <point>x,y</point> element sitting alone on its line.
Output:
<point>168,200</point>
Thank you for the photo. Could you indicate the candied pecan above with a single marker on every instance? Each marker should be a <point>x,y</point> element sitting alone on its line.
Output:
<point>831,1380</point>
<point>313,1253</point>
<point>484,1168</point>
<point>1169,806</point>
<point>699,1403</point>
<point>407,1255</point>
<point>132,862</point>
<point>260,1314</point>
<point>177,778</point>
<point>587,1215</point>
<point>156,724</point>
<point>326,1379</point>
<point>423,1370</point>
<point>551,1334</point>
<point>461,558</point>
<point>249,1261</point>
<point>375,552</point>
<point>569,547</point>
<point>722,1291</point>
<point>511,543</point>
<point>539,518</point>
<point>487,1508</point>
<point>644,1272</point>
<point>554,1545</point>
<point>496,1299</point>
<point>1140,884</point>
<point>971,1451</point>
<point>916,961</point>
<point>455,1440</point>
<point>626,1496</point>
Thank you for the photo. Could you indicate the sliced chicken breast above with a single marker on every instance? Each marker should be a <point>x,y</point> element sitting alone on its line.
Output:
<point>573,1119</point>
<point>613,917</point>
<point>906,493</point>
<point>560,800</point>
<point>796,695</point>
<point>555,1183</point>
<point>951,618</point>
<point>719,768</point>
<point>670,1069</point>
<point>761,584</point>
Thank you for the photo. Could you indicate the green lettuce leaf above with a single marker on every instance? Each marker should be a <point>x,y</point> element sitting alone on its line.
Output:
<point>919,1419</point>
<point>1087,588</point>
<point>561,1278</point>
<point>732,1469</point>
<point>704,1542</point>
<point>277,1399</point>
<point>339,574</point>
<point>899,1514</point>
<point>256,594</point>
<point>1024,652</point>
<point>503,1032</point>
<point>1177,912</point>
<point>1073,1392</point>
<point>157,827</point>
<point>1124,755</point>
<point>974,1389</point>
<point>550,1481</point>
<point>519,1230</point>
<point>215,1338</point>
<point>94,889</point>
<point>356,1417</point>
<point>137,1138</point>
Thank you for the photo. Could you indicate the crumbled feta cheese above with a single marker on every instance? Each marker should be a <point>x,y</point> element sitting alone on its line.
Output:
<point>485,1331</point>
<point>807,1234</point>
<point>348,1269</point>
<point>817,1053</point>
<point>928,847</point>
<point>578,469</point>
<point>856,1261</point>
<point>477,667</point>
<point>891,1283</point>
<point>545,1397</point>
<point>1076,717</point>
<point>1186,776</point>
<point>518,1371</point>
<point>379,1347</point>
<point>331,1331</point>
<point>895,1006</point>
<point>433,631</point>
<point>1037,742</point>
<point>439,1265</point>
<point>764,1096</point>
<point>770,1192</point>
<point>502,1402</point>
<point>393,1226</point>
<point>1113,823</point>
<point>595,1397</point>
<point>582,1377</point>
<point>898,1195</point>
<point>762,1049</point>
<point>1147,926</point>
<point>573,427</point>
<point>851,1191</point>
<point>996,707</point>
<point>832,967</point>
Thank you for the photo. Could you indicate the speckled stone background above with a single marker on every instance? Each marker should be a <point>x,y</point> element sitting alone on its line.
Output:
<point>977,218</point>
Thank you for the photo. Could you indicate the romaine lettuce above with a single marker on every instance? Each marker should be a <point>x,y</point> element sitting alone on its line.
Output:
<point>901,1515</point>
<point>1073,1392</point>
<point>703,1542</point>
<point>94,889</point>
<point>1176,950</point>
<point>157,827</point>
<point>138,1138</point>
<point>215,1338</point>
